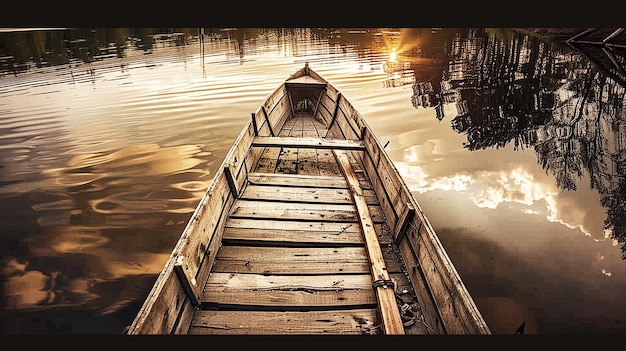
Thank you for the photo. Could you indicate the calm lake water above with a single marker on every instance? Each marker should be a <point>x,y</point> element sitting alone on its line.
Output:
<point>514,147</point>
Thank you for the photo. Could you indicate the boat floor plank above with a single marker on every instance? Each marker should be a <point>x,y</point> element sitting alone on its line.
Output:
<point>291,194</point>
<point>293,243</point>
<point>301,211</point>
<point>268,160</point>
<point>280,233</point>
<point>303,194</point>
<point>281,237</point>
<point>359,321</point>
<point>289,260</point>
<point>315,238</point>
<point>304,292</point>
<point>299,180</point>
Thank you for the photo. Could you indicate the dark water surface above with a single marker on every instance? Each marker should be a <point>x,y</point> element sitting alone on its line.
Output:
<point>515,147</point>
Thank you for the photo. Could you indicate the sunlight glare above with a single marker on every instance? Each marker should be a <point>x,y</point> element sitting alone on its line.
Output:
<point>392,56</point>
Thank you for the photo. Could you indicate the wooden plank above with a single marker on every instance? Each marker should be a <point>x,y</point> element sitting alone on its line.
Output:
<point>287,161</point>
<point>391,182</point>
<point>359,321</point>
<point>325,109</point>
<point>403,222</point>
<point>234,164</point>
<point>236,290</point>
<point>256,129</point>
<point>334,116</point>
<point>331,228</point>
<point>267,161</point>
<point>291,233</point>
<point>312,128</point>
<point>166,300</point>
<point>357,124</point>
<point>457,310</point>
<point>308,142</point>
<point>327,164</point>
<point>298,180</point>
<point>307,162</point>
<point>267,120</point>
<point>348,125</point>
<point>424,297</point>
<point>301,211</point>
<point>289,260</point>
<point>276,108</point>
<point>291,194</point>
<point>391,320</point>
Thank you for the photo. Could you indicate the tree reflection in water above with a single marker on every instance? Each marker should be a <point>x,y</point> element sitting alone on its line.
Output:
<point>565,101</point>
<point>543,95</point>
<point>509,88</point>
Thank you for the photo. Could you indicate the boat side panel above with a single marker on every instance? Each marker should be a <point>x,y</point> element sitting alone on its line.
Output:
<point>160,311</point>
<point>237,162</point>
<point>277,107</point>
<point>325,108</point>
<point>457,310</point>
<point>199,243</point>
<point>392,192</point>
<point>203,236</point>
<point>352,117</point>
<point>341,127</point>
<point>455,306</point>
<point>380,190</point>
<point>261,123</point>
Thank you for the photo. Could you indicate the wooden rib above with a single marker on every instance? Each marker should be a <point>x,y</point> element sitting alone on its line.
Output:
<point>405,218</point>
<point>391,320</point>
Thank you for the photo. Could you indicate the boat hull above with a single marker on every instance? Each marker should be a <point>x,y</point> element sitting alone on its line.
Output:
<point>308,228</point>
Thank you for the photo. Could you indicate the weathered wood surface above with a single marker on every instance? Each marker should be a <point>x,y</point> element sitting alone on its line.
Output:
<point>308,143</point>
<point>289,260</point>
<point>299,180</point>
<point>288,240</point>
<point>301,211</point>
<point>260,232</point>
<point>293,242</point>
<point>387,305</point>
<point>289,292</point>
<point>360,321</point>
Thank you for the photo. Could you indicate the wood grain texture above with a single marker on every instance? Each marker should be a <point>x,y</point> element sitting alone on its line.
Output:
<point>360,321</point>
<point>387,305</point>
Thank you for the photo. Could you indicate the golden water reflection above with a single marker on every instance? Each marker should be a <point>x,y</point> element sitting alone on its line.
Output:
<point>105,155</point>
<point>123,189</point>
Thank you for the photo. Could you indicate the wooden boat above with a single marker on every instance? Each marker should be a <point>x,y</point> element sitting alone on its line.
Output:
<point>308,228</point>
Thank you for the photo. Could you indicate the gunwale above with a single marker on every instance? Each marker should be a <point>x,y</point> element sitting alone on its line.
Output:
<point>268,184</point>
